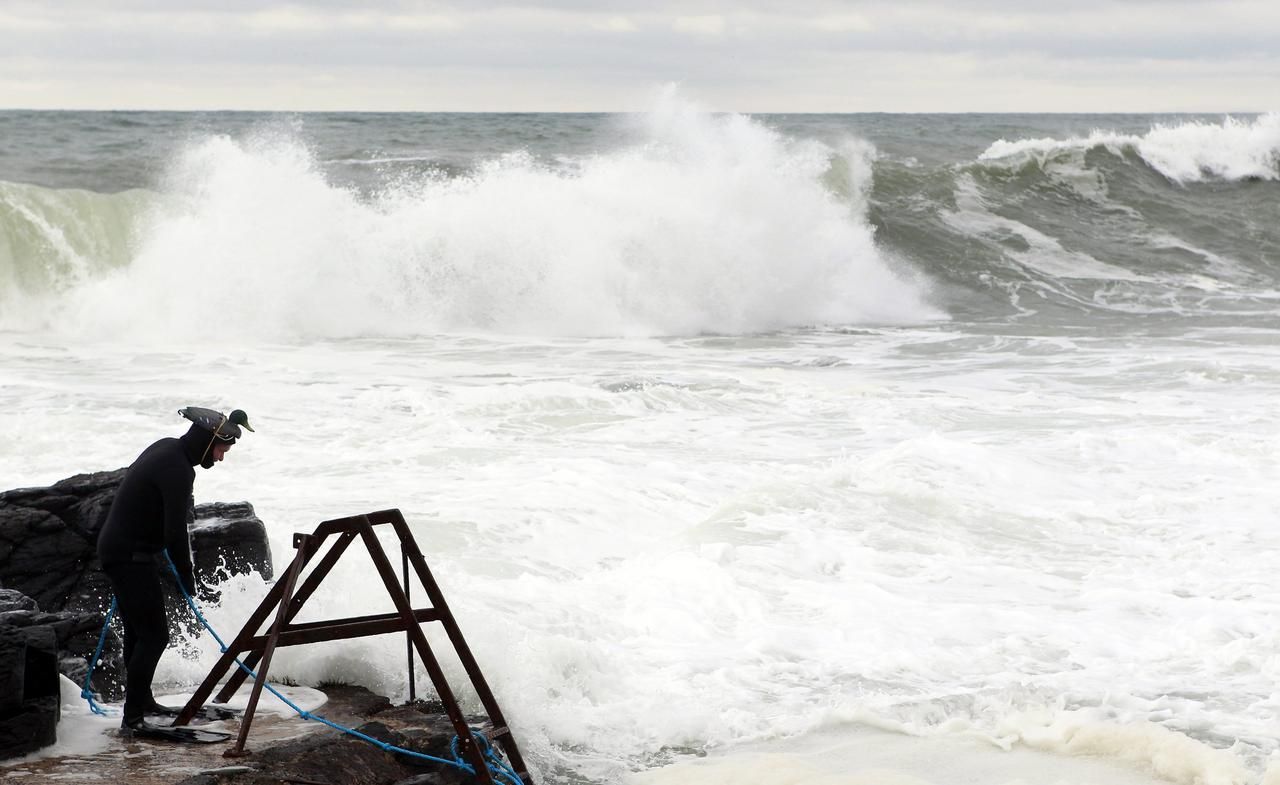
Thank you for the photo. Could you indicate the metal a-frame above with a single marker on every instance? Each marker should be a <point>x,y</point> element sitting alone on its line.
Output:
<point>287,598</point>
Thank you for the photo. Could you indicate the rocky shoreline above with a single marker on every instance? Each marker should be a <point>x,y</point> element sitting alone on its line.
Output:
<point>281,751</point>
<point>53,602</point>
<point>54,596</point>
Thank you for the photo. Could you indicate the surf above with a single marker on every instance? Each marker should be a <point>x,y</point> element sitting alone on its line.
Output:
<point>707,224</point>
<point>1192,151</point>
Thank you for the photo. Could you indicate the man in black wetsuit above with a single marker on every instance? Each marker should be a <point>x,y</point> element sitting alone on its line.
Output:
<point>150,513</point>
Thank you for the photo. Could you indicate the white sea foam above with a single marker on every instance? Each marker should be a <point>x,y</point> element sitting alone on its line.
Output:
<point>1188,152</point>
<point>715,224</point>
<point>703,544</point>
<point>707,544</point>
<point>864,755</point>
<point>1171,756</point>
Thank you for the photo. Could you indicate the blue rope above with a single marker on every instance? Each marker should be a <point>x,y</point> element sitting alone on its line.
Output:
<point>496,765</point>
<point>497,768</point>
<point>85,691</point>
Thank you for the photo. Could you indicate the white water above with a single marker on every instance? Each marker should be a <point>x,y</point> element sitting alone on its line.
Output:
<point>657,545</point>
<point>934,552</point>
<point>709,224</point>
<point>1185,152</point>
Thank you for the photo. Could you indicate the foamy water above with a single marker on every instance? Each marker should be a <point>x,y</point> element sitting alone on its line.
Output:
<point>1185,152</point>
<point>712,224</point>
<point>661,545</point>
<point>707,462</point>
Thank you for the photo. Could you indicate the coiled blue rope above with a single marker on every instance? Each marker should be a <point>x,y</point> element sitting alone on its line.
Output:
<point>85,691</point>
<point>497,768</point>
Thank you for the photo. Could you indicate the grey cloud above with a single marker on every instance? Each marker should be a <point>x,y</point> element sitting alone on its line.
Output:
<point>522,37</point>
<point>759,43</point>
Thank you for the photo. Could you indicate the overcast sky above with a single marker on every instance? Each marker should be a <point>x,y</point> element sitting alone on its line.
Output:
<point>575,55</point>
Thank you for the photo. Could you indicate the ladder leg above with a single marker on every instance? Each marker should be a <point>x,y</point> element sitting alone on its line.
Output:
<point>410,545</point>
<point>273,636</point>
<point>460,727</point>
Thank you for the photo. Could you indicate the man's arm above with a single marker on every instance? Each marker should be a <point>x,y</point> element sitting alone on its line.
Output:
<point>178,509</point>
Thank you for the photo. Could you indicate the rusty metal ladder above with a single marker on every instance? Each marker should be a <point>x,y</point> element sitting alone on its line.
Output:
<point>287,598</point>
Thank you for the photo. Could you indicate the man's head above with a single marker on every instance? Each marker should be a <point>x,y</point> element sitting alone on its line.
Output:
<point>221,431</point>
<point>217,451</point>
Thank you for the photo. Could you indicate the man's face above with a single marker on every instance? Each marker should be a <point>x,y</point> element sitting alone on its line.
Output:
<point>219,450</point>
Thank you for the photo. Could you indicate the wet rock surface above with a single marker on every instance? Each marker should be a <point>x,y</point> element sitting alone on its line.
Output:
<point>29,688</point>
<point>74,638</point>
<point>48,541</point>
<point>53,601</point>
<point>50,575</point>
<point>280,751</point>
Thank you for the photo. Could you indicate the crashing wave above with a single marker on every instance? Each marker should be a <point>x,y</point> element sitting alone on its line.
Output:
<point>1188,152</point>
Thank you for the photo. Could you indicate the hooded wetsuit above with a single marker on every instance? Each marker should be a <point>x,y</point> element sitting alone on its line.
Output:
<point>150,513</point>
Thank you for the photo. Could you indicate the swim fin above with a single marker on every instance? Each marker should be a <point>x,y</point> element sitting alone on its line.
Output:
<point>141,729</point>
<point>159,710</point>
<point>206,713</point>
<point>213,713</point>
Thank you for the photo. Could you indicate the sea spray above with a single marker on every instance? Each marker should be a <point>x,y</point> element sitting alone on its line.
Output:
<point>715,224</point>
<point>1187,152</point>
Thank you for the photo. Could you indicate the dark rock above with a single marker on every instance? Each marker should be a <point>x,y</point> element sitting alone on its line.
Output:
<point>11,600</point>
<point>74,639</point>
<point>48,541</point>
<point>329,758</point>
<point>229,539</point>
<point>359,701</point>
<point>48,553</point>
<point>32,726</point>
<point>47,544</point>
<point>39,555</point>
<point>30,694</point>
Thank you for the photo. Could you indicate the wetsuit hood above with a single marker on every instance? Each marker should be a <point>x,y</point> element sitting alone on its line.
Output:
<point>195,443</point>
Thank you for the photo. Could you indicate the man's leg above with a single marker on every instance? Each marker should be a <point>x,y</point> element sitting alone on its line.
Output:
<point>141,604</point>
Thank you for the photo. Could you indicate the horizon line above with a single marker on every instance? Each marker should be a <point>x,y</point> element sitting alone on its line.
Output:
<point>641,111</point>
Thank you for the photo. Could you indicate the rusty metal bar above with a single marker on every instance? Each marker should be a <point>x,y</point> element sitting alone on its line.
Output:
<point>410,545</point>
<point>469,748</point>
<point>288,597</point>
<point>408,639</point>
<point>338,525</point>
<point>342,629</point>
<point>300,542</point>
<point>304,593</point>
<point>228,658</point>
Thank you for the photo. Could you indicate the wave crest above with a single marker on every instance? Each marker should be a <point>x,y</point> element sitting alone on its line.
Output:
<point>714,223</point>
<point>1188,152</point>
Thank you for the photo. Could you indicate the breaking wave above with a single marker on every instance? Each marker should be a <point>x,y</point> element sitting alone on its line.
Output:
<point>1187,152</point>
<point>712,224</point>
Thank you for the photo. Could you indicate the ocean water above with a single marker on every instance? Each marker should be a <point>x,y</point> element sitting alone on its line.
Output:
<point>827,449</point>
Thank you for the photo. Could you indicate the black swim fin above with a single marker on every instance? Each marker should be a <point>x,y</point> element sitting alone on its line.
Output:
<point>160,710</point>
<point>206,713</point>
<point>141,729</point>
<point>214,712</point>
